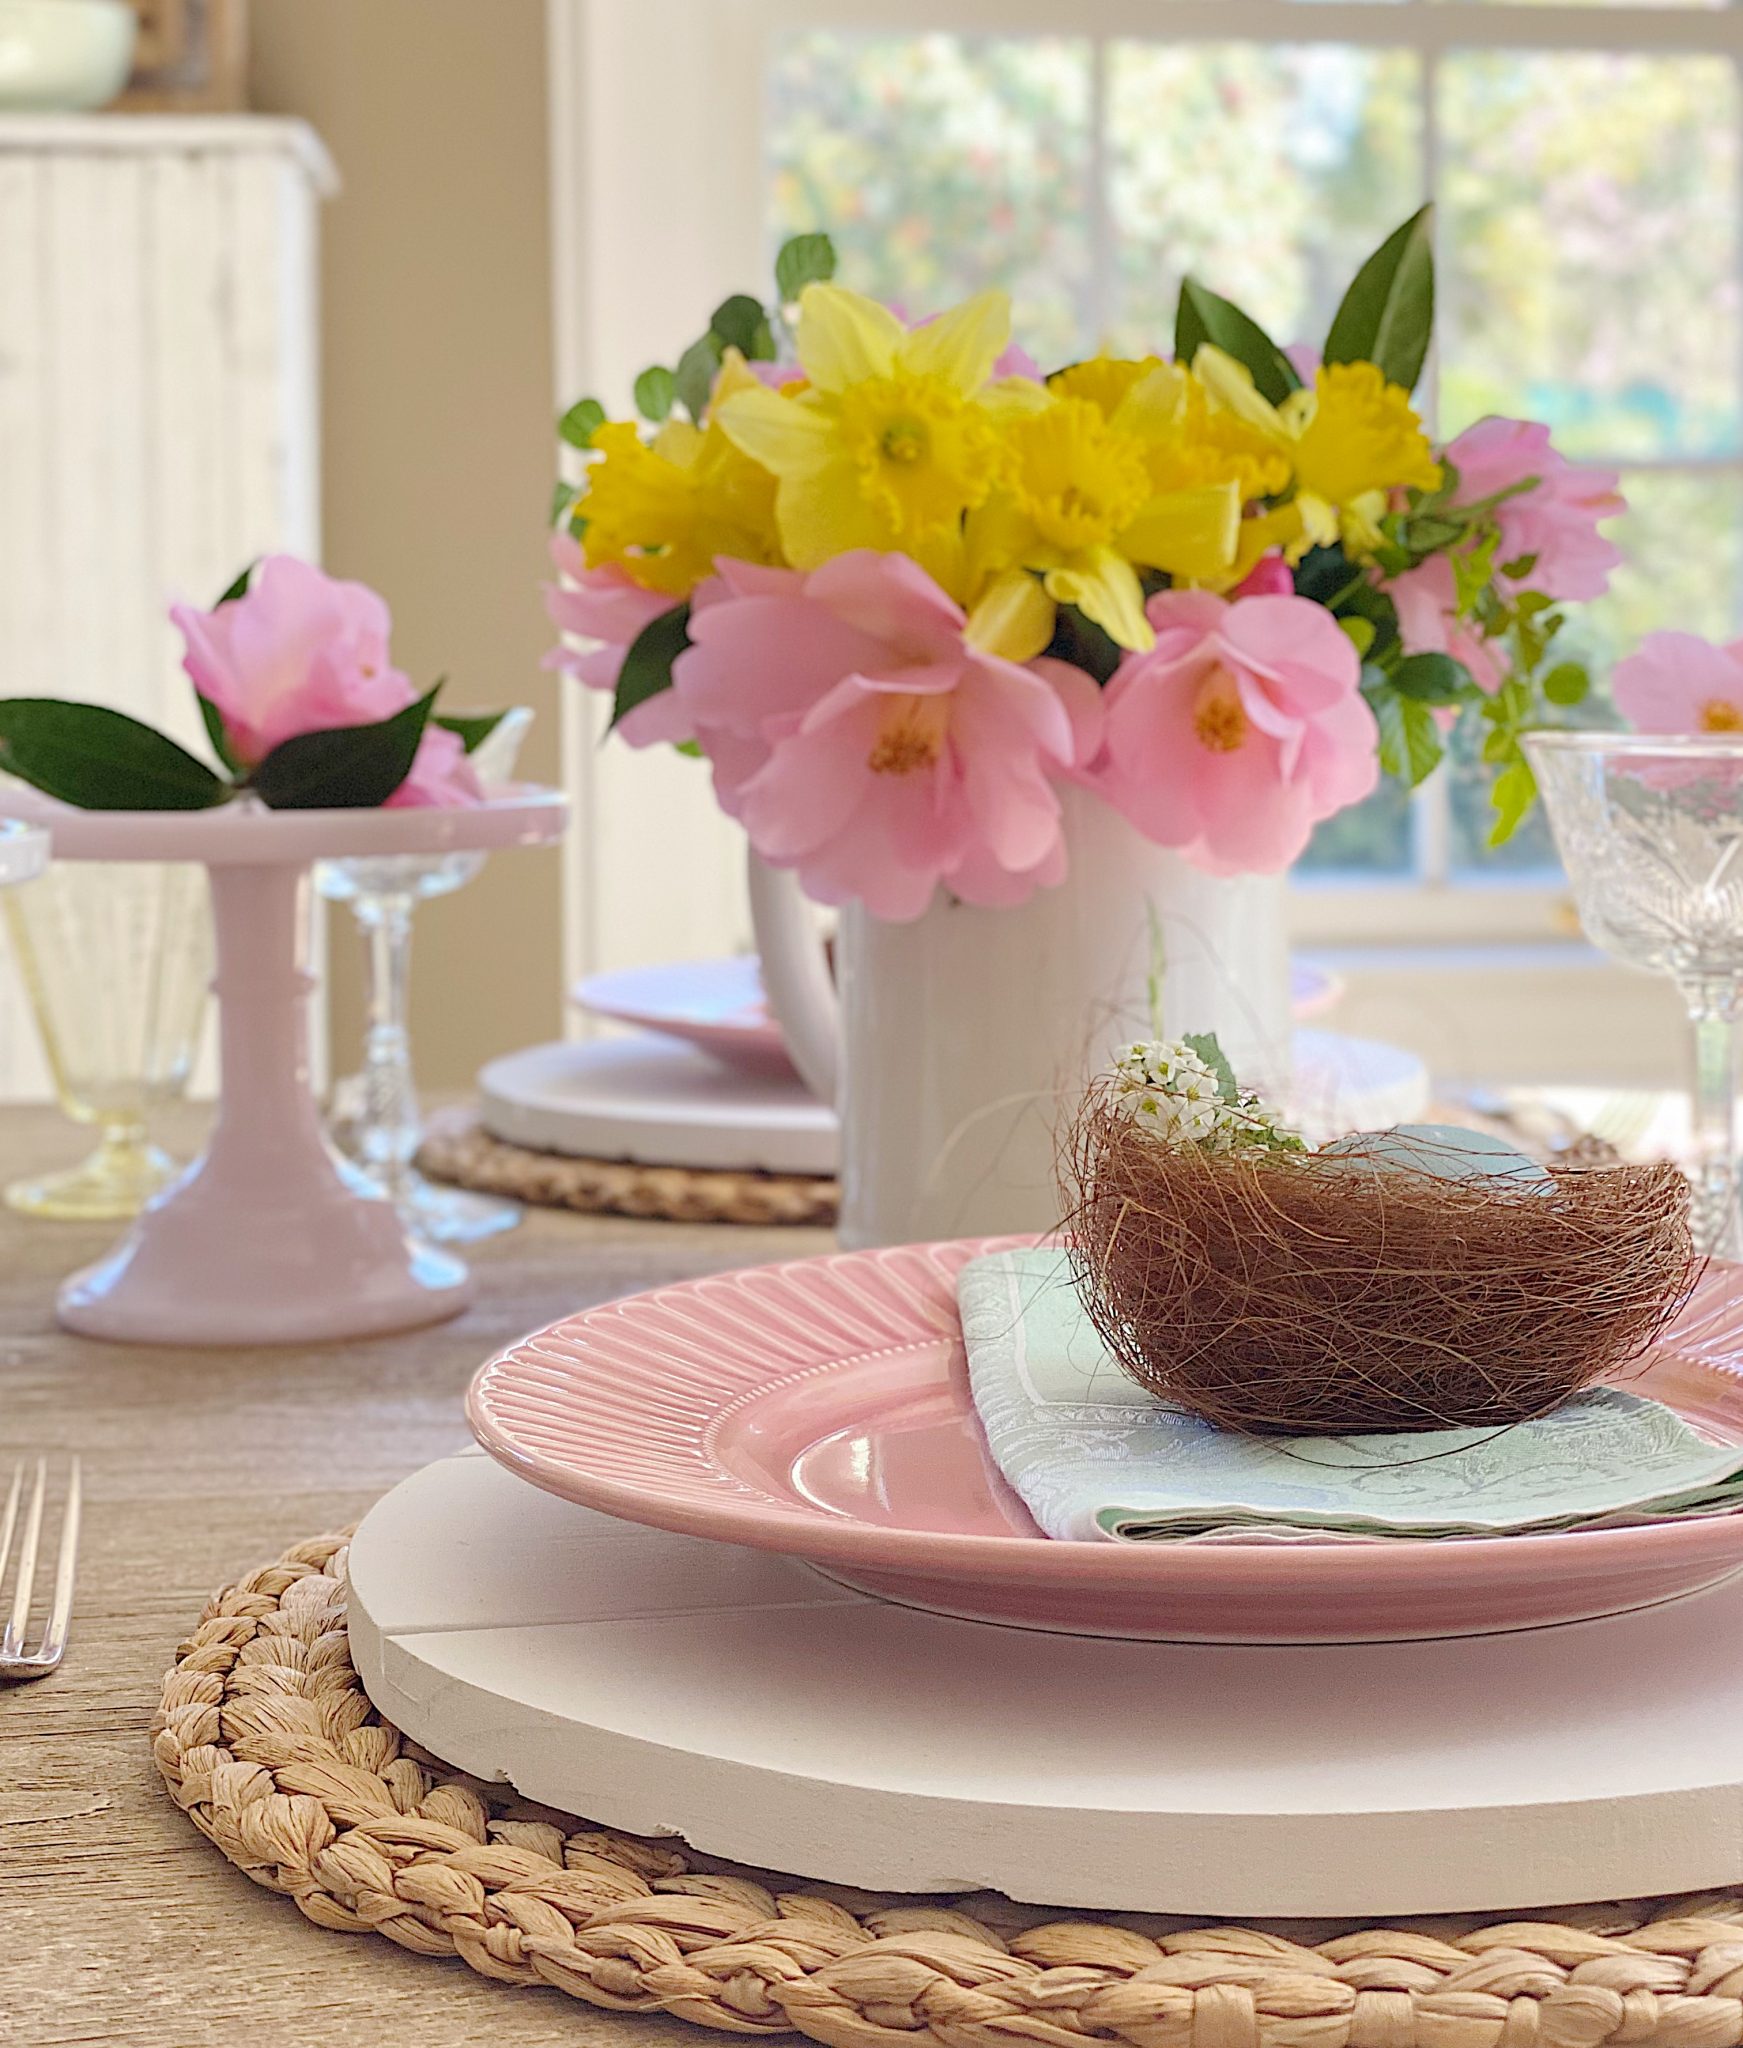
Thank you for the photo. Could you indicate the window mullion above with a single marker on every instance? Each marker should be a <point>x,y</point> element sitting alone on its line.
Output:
<point>1104,278</point>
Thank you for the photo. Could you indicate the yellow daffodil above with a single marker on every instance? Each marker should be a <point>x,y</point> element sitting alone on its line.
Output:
<point>1081,505</point>
<point>662,510</point>
<point>1350,440</point>
<point>1104,380</point>
<point>888,445</point>
<point>1356,438</point>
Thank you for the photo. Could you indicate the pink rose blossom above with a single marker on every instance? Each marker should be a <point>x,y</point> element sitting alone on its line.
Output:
<point>608,609</point>
<point>300,652</point>
<point>1680,683</point>
<point>864,742</point>
<point>1428,622</point>
<point>1555,523</point>
<point>1240,730</point>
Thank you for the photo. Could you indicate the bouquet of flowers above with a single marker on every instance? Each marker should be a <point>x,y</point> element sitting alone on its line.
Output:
<point>899,585</point>
<point>301,702</point>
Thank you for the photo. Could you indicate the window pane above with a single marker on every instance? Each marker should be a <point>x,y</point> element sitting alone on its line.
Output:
<point>1268,173</point>
<point>943,164</point>
<point>1682,567</point>
<point>1371,840</point>
<point>1591,234</point>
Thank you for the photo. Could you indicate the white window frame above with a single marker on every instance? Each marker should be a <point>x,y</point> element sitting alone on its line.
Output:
<point>659,190</point>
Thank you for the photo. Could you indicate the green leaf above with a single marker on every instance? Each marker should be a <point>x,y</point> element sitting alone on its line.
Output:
<point>213,720</point>
<point>1209,1049</point>
<point>562,497</point>
<point>1519,568</point>
<point>806,259</point>
<point>656,391</point>
<point>1410,744</point>
<point>1567,684</point>
<point>1202,317</point>
<point>690,749</point>
<point>238,586</point>
<point>741,323</point>
<point>472,729</point>
<point>1360,632</point>
<point>698,367</point>
<point>345,768</point>
<point>581,422</point>
<point>1387,315</point>
<point>1514,793</point>
<point>647,667</point>
<point>1432,679</point>
<point>102,760</point>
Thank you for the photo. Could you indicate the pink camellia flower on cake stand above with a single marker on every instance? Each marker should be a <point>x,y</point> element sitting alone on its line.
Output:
<point>884,752</point>
<point>300,652</point>
<point>1240,730</point>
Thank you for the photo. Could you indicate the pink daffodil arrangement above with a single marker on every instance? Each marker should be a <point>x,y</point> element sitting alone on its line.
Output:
<point>301,702</point>
<point>901,587</point>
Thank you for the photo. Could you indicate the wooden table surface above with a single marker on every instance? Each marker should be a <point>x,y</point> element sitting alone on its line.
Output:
<point>118,1923</point>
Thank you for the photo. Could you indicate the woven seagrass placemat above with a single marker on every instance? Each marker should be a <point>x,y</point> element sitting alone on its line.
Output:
<point>457,1148</point>
<point>268,1743</point>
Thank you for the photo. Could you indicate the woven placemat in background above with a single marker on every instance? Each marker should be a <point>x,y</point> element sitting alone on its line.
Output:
<point>266,1740</point>
<point>457,1148</point>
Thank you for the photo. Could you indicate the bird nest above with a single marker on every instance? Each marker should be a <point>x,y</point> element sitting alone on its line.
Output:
<point>1301,1293</point>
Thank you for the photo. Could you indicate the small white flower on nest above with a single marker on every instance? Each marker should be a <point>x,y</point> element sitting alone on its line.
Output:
<point>1172,1088</point>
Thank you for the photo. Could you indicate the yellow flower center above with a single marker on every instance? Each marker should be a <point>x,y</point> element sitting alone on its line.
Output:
<point>1078,481</point>
<point>1718,715</point>
<point>1217,717</point>
<point>924,454</point>
<point>905,441</point>
<point>1360,436</point>
<point>910,735</point>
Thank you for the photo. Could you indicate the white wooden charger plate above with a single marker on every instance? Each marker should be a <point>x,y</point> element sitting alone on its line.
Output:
<point>662,1685</point>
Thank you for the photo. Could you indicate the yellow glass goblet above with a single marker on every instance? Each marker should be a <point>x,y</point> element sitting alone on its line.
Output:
<point>116,960</point>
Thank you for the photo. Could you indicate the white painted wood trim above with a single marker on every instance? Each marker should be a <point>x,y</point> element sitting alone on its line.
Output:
<point>159,415</point>
<point>163,134</point>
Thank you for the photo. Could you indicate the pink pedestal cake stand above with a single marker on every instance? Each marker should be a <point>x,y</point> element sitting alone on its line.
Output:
<point>262,1241</point>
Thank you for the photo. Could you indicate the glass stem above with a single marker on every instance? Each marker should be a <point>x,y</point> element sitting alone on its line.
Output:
<point>391,1128</point>
<point>1713,1008</point>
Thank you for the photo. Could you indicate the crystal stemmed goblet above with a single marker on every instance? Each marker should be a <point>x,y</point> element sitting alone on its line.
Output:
<point>382,1127</point>
<point>1650,831</point>
<point>116,960</point>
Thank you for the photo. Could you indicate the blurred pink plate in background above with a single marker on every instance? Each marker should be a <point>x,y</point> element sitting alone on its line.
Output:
<point>719,1005</point>
<point>821,1409</point>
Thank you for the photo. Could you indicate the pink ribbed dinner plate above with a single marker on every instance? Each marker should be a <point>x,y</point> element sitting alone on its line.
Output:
<point>821,1409</point>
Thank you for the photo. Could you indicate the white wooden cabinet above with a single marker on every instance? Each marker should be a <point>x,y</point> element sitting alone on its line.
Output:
<point>158,400</point>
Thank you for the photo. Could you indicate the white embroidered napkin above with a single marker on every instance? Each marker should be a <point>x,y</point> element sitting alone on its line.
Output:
<point>1095,1457</point>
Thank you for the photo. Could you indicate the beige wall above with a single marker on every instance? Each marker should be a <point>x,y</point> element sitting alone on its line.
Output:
<point>437,435</point>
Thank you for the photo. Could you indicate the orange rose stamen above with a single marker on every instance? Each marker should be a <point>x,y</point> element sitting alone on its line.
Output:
<point>1217,717</point>
<point>1719,715</point>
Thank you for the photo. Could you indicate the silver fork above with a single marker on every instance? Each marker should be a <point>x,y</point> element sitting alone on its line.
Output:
<point>16,1661</point>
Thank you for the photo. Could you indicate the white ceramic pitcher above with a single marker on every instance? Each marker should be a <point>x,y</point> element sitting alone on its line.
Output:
<point>957,1045</point>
